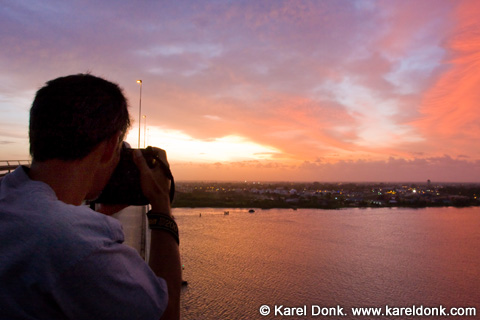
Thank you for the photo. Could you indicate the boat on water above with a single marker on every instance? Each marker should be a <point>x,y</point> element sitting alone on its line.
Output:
<point>226,213</point>
<point>251,211</point>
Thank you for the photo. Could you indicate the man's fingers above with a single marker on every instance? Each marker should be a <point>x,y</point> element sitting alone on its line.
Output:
<point>162,155</point>
<point>140,160</point>
<point>155,184</point>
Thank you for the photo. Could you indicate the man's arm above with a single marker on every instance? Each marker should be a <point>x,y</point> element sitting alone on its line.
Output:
<point>165,262</point>
<point>164,251</point>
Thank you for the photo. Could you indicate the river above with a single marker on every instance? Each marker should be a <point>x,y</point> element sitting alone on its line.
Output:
<point>338,259</point>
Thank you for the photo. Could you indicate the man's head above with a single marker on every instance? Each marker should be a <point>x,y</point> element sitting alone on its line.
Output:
<point>71,115</point>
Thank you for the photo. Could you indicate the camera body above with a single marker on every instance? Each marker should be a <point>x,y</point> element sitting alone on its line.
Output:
<point>124,184</point>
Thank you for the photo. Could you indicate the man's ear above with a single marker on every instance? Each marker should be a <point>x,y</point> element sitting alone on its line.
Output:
<point>112,147</point>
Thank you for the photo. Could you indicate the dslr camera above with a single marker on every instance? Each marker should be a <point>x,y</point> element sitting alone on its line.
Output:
<point>124,185</point>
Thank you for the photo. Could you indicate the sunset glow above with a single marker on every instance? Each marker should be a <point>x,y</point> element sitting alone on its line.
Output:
<point>224,149</point>
<point>257,90</point>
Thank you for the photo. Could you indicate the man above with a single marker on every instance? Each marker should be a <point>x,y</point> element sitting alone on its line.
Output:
<point>58,258</point>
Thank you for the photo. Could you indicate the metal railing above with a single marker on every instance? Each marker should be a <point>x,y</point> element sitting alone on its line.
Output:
<point>7,166</point>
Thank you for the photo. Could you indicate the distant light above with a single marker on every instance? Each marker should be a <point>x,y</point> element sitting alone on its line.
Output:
<point>139,81</point>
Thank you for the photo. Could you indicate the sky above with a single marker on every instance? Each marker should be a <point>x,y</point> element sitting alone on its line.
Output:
<point>269,90</point>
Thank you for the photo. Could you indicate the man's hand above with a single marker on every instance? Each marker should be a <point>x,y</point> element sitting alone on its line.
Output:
<point>155,185</point>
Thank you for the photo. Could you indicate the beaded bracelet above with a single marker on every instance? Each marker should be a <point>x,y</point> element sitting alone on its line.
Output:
<point>158,221</point>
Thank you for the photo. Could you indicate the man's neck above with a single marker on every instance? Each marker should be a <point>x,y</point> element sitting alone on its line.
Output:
<point>71,180</point>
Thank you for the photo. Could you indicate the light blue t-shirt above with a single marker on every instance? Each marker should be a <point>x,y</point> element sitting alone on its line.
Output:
<point>59,261</point>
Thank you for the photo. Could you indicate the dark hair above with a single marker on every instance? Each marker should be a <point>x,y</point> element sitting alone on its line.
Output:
<point>71,115</point>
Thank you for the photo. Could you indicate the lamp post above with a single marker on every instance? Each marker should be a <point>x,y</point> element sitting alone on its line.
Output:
<point>143,209</point>
<point>144,130</point>
<point>139,112</point>
<point>148,133</point>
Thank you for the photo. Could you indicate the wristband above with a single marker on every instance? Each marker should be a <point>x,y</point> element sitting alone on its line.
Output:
<point>158,221</point>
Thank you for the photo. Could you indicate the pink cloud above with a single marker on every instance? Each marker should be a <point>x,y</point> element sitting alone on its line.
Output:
<point>450,119</point>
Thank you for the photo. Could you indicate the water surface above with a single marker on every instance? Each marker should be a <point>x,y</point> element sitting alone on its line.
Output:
<point>352,257</point>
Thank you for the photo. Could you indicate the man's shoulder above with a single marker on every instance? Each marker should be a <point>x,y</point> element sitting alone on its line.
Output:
<point>80,223</point>
<point>47,236</point>
<point>33,217</point>
<point>18,193</point>
<point>35,204</point>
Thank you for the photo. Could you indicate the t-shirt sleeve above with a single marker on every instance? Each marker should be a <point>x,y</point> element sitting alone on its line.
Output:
<point>113,282</point>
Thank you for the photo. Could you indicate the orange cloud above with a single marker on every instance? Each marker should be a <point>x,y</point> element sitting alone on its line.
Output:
<point>438,169</point>
<point>450,119</point>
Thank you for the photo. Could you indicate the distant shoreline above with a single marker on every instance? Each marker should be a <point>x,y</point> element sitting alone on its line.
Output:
<point>333,209</point>
<point>223,206</point>
<point>324,196</point>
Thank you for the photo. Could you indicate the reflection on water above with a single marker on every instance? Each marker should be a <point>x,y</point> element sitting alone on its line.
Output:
<point>355,257</point>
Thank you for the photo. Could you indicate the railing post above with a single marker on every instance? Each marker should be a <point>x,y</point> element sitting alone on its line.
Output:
<point>7,166</point>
